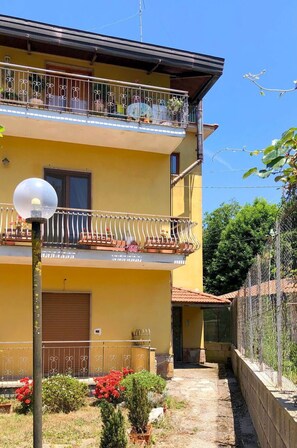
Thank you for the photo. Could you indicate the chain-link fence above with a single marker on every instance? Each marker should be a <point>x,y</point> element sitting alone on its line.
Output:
<point>265,309</point>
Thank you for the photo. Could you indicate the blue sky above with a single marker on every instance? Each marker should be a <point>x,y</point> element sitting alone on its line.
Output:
<point>251,36</point>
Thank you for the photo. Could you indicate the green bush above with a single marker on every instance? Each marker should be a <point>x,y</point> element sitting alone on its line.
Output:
<point>138,406</point>
<point>113,434</point>
<point>62,393</point>
<point>149,381</point>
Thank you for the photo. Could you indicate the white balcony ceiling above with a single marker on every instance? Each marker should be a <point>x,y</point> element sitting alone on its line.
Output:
<point>93,258</point>
<point>90,130</point>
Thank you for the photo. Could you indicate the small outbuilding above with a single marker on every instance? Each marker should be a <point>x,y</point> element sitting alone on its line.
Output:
<point>188,308</point>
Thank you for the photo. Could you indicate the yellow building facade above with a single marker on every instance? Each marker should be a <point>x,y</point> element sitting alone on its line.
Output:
<point>99,119</point>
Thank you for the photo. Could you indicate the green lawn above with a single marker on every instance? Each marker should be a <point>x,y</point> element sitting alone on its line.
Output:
<point>80,429</point>
<point>72,430</point>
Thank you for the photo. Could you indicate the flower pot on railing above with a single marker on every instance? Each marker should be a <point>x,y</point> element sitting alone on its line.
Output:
<point>185,248</point>
<point>17,237</point>
<point>98,241</point>
<point>161,244</point>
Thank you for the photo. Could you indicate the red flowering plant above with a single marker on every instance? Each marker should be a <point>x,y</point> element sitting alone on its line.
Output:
<point>25,395</point>
<point>109,387</point>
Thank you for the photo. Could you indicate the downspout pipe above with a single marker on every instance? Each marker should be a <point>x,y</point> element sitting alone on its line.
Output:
<point>199,160</point>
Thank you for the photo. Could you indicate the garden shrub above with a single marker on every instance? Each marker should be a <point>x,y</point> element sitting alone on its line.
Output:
<point>113,433</point>
<point>149,381</point>
<point>138,406</point>
<point>109,387</point>
<point>62,393</point>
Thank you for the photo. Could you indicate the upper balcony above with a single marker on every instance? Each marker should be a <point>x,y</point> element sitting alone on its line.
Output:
<point>93,238</point>
<point>75,108</point>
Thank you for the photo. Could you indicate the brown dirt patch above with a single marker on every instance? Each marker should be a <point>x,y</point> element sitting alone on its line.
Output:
<point>211,418</point>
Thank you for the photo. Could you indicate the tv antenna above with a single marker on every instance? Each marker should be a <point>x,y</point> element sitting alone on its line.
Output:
<point>141,5</point>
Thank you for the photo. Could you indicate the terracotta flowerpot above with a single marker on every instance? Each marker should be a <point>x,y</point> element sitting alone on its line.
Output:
<point>36,102</point>
<point>5,408</point>
<point>139,438</point>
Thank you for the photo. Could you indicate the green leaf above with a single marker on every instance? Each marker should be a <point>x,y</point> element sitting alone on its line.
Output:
<point>255,153</point>
<point>280,178</point>
<point>287,171</point>
<point>269,149</point>
<point>275,154</point>
<point>249,172</point>
<point>288,135</point>
<point>264,173</point>
<point>277,162</point>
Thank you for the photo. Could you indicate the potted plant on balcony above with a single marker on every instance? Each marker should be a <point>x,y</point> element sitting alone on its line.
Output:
<point>99,97</point>
<point>9,95</point>
<point>18,233</point>
<point>174,107</point>
<point>163,243</point>
<point>37,84</point>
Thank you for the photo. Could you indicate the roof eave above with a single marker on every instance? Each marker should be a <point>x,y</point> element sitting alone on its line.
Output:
<point>177,63</point>
<point>201,305</point>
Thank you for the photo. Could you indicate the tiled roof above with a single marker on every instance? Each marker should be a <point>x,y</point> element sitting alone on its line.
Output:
<point>181,295</point>
<point>286,285</point>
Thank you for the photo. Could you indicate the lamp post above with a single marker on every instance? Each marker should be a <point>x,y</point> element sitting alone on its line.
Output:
<point>35,200</point>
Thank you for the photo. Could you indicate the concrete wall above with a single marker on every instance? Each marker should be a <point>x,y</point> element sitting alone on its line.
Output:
<point>274,416</point>
<point>217,351</point>
<point>121,179</point>
<point>121,301</point>
<point>187,202</point>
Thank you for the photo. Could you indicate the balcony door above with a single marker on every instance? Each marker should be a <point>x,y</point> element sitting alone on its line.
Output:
<point>68,92</point>
<point>74,194</point>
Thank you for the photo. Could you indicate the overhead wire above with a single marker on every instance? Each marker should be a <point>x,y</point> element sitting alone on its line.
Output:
<point>227,187</point>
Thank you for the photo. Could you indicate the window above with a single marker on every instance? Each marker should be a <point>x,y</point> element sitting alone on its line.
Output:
<point>74,191</point>
<point>174,163</point>
<point>73,188</point>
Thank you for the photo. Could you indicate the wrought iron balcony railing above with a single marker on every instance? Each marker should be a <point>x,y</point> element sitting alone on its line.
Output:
<point>79,94</point>
<point>81,359</point>
<point>94,229</point>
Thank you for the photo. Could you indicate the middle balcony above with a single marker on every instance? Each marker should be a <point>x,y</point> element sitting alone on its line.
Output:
<point>89,238</point>
<point>76,108</point>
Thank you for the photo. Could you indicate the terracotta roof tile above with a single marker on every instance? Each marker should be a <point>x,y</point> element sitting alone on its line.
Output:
<point>287,286</point>
<point>182,295</point>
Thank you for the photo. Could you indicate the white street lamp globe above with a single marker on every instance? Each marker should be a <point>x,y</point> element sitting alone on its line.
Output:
<point>35,198</point>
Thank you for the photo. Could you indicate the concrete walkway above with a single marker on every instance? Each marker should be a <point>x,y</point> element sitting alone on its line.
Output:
<point>216,415</point>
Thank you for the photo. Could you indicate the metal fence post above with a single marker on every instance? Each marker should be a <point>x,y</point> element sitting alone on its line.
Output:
<point>250,315</point>
<point>278,306</point>
<point>239,324</point>
<point>259,280</point>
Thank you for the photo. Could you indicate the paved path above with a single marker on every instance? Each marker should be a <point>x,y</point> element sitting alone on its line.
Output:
<point>214,418</point>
